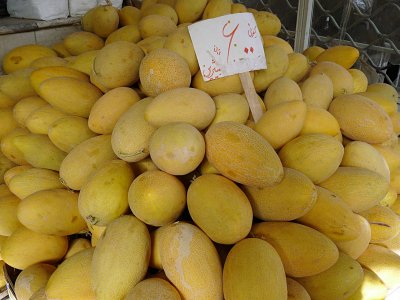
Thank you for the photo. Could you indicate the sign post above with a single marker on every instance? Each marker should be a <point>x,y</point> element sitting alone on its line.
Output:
<point>230,45</point>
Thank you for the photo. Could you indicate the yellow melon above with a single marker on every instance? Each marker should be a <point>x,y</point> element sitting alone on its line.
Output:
<point>383,262</point>
<point>49,156</point>
<point>359,187</point>
<point>85,158</point>
<point>78,101</point>
<point>77,245</point>
<point>162,10</point>
<point>67,132</point>
<point>304,251</point>
<point>116,270</point>
<point>312,52</point>
<point>228,84</point>
<point>53,212</point>
<point>293,197</point>
<point>48,61</point>
<point>131,134</point>
<point>108,109</point>
<point>60,49</point>
<point>72,272</point>
<point>385,90</point>
<point>157,198</point>
<point>22,56</point>
<point>128,33</point>
<point>338,282</point>
<point>269,40</point>
<point>82,41</point>
<point>371,288</point>
<point>267,22</point>
<point>298,67</point>
<point>209,197</point>
<point>249,262</point>
<point>8,122</point>
<point>40,120</point>
<point>105,20</point>
<point>129,15</point>
<point>177,148</point>
<point>151,43</point>
<point>17,86</point>
<point>282,123</point>
<point>318,120</point>
<point>341,79</point>
<point>282,90</point>
<point>42,248</point>
<point>361,119</point>
<point>253,161</point>
<point>32,279</point>
<point>363,155</point>
<point>189,11</point>
<point>104,196</point>
<point>184,250</point>
<point>355,247</point>
<point>343,55</point>
<point>332,216</point>
<point>277,62</point>
<point>359,79</point>
<point>180,42</point>
<point>117,64</point>
<point>8,209</point>
<point>216,8</point>
<point>177,106</point>
<point>153,288</point>
<point>317,90</point>
<point>25,107</point>
<point>388,105</point>
<point>316,155</point>
<point>84,62</point>
<point>296,291</point>
<point>33,180</point>
<point>155,72</point>
<point>384,222</point>
<point>156,25</point>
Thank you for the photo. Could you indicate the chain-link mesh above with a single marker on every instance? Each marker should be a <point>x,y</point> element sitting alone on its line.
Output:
<point>372,26</point>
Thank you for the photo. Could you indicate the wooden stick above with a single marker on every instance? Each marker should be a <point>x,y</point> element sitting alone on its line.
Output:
<point>251,95</point>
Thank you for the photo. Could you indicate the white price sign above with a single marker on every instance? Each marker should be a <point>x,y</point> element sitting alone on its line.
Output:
<point>228,45</point>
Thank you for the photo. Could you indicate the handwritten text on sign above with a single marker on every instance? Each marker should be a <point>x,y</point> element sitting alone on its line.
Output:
<point>228,45</point>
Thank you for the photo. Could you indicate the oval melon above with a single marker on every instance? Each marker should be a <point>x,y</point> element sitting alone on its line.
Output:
<point>104,196</point>
<point>40,120</point>
<point>282,123</point>
<point>82,41</point>
<point>209,197</point>
<point>304,251</point>
<point>293,197</point>
<point>26,247</point>
<point>298,67</point>
<point>252,161</point>
<point>72,272</point>
<point>282,90</point>
<point>360,188</point>
<point>181,105</point>
<point>183,258</point>
<point>85,158</point>
<point>116,270</point>
<point>177,148</point>
<point>53,212</point>
<point>316,155</point>
<point>343,55</point>
<point>156,25</point>
<point>250,262</point>
<point>319,120</point>
<point>317,90</point>
<point>153,288</point>
<point>231,107</point>
<point>157,198</point>
<point>360,80</point>
<point>25,107</point>
<point>8,214</point>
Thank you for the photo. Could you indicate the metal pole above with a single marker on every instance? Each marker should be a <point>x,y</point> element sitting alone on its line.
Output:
<point>303,25</point>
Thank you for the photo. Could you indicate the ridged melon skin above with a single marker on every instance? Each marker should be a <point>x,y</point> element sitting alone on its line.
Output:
<point>251,159</point>
<point>250,262</point>
<point>316,155</point>
<point>191,262</point>
<point>155,72</point>
<point>304,251</point>
<point>361,119</point>
<point>359,187</point>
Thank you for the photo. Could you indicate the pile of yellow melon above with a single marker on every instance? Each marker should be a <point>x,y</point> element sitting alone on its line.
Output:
<point>115,132</point>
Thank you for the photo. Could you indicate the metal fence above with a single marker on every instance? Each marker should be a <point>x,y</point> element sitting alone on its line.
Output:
<point>373,26</point>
